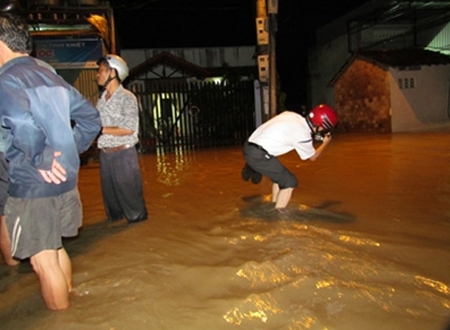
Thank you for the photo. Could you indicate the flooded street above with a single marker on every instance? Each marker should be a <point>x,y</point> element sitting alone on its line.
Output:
<point>365,244</point>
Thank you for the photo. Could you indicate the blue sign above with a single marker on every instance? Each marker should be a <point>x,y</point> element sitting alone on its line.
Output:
<point>69,53</point>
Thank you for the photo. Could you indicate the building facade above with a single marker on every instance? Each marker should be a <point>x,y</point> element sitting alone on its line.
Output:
<point>375,26</point>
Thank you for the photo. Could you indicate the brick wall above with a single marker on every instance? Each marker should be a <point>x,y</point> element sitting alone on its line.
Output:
<point>363,99</point>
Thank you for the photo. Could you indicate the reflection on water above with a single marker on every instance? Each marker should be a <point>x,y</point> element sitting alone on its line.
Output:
<point>262,208</point>
<point>315,278</point>
<point>359,247</point>
<point>438,286</point>
<point>170,165</point>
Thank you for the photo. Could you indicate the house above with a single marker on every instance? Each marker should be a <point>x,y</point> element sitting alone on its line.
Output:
<point>393,91</point>
<point>376,26</point>
<point>237,63</point>
<point>193,97</point>
<point>168,67</point>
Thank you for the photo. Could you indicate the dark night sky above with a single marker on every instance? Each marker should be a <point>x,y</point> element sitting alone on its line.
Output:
<point>209,23</point>
<point>185,23</point>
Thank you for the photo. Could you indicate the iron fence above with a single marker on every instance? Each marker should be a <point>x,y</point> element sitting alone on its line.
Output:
<point>194,115</point>
<point>190,116</point>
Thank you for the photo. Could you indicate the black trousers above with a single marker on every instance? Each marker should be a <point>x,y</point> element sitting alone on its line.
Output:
<point>260,161</point>
<point>122,185</point>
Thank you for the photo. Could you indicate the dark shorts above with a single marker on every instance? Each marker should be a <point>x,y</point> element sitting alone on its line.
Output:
<point>3,183</point>
<point>260,161</point>
<point>38,224</point>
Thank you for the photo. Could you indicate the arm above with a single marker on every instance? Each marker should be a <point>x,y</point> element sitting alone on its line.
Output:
<point>27,136</point>
<point>117,131</point>
<point>321,148</point>
<point>56,174</point>
<point>86,118</point>
<point>127,123</point>
<point>87,125</point>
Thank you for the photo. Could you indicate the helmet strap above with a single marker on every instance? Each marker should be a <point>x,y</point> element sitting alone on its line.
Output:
<point>103,87</point>
<point>311,125</point>
<point>315,133</point>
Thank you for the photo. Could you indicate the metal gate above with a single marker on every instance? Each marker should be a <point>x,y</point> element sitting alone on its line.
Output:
<point>194,115</point>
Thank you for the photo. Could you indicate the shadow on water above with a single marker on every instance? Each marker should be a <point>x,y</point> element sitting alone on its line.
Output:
<point>8,274</point>
<point>31,305</point>
<point>259,208</point>
<point>90,234</point>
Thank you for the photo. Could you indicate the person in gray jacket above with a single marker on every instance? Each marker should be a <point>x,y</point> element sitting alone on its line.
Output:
<point>47,124</point>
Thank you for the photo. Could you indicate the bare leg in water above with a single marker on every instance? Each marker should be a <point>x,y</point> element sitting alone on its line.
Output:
<point>281,197</point>
<point>5,244</point>
<point>54,270</point>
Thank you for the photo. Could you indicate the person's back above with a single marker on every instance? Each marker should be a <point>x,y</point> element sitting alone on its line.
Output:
<point>283,133</point>
<point>43,126</point>
<point>279,135</point>
<point>37,109</point>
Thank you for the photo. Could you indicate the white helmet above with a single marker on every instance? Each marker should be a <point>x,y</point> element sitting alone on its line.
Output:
<point>116,62</point>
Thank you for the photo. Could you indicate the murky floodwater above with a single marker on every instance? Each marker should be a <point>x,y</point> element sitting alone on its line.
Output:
<point>364,245</point>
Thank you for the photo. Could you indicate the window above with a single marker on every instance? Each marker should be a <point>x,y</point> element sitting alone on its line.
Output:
<point>406,83</point>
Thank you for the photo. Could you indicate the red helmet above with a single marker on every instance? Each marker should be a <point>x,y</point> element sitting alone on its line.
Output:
<point>324,116</point>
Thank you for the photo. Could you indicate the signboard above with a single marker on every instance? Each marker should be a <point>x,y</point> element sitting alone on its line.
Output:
<point>69,53</point>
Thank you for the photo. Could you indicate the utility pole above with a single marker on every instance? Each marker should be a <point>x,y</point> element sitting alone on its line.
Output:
<point>273,11</point>
<point>266,26</point>
<point>262,36</point>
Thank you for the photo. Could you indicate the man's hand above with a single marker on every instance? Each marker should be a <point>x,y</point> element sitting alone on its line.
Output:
<point>327,138</point>
<point>57,173</point>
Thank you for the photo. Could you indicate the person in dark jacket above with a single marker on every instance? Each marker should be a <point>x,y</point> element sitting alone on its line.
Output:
<point>47,124</point>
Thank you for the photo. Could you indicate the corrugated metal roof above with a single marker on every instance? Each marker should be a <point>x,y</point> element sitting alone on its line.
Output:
<point>395,58</point>
<point>406,57</point>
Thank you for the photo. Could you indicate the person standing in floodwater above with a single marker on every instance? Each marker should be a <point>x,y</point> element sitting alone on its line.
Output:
<point>5,241</point>
<point>37,109</point>
<point>119,167</point>
<point>280,135</point>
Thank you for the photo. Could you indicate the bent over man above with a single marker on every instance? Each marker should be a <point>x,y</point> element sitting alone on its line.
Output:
<point>283,133</point>
<point>47,124</point>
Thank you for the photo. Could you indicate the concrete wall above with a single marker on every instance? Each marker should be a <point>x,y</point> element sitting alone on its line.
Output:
<point>324,63</point>
<point>370,98</point>
<point>424,105</point>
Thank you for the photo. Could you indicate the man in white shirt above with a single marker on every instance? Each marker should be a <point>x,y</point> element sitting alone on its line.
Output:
<point>283,133</point>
